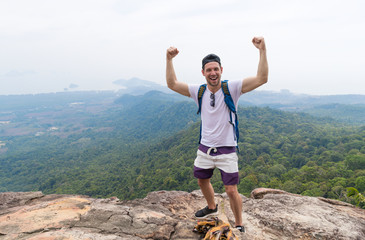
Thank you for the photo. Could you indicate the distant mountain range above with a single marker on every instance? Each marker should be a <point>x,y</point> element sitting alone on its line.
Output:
<point>286,98</point>
<point>282,99</point>
<point>136,86</point>
<point>349,108</point>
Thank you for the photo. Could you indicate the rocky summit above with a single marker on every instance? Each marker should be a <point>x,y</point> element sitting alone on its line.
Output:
<point>267,214</point>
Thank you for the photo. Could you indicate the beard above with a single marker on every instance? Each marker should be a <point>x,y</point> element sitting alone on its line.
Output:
<point>213,83</point>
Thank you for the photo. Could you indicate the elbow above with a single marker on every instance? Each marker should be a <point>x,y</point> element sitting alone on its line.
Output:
<point>171,85</point>
<point>264,79</point>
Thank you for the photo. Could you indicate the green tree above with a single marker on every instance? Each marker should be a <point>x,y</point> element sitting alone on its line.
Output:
<point>292,186</point>
<point>358,197</point>
<point>277,170</point>
<point>355,162</point>
<point>360,183</point>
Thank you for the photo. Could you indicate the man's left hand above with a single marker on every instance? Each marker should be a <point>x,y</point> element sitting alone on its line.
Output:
<point>259,42</point>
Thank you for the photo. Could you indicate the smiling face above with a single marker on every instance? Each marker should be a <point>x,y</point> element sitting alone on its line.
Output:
<point>212,72</point>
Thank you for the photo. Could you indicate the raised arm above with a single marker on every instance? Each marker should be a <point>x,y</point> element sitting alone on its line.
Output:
<point>171,80</point>
<point>261,78</point>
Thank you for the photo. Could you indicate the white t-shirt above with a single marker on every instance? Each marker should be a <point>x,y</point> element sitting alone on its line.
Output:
<point>217,131</point>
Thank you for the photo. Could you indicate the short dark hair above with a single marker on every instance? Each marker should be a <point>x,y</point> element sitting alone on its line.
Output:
<point>210,58</point>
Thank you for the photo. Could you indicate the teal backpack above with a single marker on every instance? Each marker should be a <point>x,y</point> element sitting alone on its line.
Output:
<point>229,102</point>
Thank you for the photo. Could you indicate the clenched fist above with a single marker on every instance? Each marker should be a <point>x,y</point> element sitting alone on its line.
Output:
<point>259,42</point>
<point>171,53</point>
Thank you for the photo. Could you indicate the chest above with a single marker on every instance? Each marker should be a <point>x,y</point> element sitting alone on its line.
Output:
<point>213,104</point>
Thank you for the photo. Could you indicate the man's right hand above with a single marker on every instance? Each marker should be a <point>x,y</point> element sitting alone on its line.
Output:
<point>171,53</point>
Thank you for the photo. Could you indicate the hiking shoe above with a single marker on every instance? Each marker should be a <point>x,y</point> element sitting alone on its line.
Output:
<point>206,212</point>
<point>240,228</point>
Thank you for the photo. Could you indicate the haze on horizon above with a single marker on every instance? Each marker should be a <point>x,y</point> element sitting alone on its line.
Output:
<point>314,47</point>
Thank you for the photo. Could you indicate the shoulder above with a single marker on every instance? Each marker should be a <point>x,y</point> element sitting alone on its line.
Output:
<point>235,88</point>
<point>235,84</point>
<point>193,90</point>
<point>194,87</point>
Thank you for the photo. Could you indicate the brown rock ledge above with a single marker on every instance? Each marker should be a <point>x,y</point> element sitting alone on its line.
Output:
<point>268,214</point>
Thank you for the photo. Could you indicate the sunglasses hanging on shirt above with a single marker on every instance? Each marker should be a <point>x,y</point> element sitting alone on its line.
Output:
<point>212,100</point>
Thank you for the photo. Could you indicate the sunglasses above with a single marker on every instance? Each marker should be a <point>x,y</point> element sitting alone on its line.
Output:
<point>212,100</point>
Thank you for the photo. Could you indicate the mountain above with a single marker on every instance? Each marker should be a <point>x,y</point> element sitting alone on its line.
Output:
<point>26,102</point>
<point>131,100</point>
<point>133,146</point>
<point>285,97</point>
<point>128,146</point>
<point>346,108</point>
<point>267,214</point>
<point>136,86</point>
<point>60,143</point>
<point>351,113</point>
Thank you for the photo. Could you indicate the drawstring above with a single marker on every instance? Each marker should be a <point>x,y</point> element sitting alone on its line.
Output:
<point>210,149</point>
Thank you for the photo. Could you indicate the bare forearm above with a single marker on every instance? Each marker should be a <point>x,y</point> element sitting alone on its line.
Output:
<point>261,77</point>
<point>263,68</point>
<point>171,79</point>
<point>170,74</point>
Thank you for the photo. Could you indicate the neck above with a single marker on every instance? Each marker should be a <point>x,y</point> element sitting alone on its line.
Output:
<point>215,88</point>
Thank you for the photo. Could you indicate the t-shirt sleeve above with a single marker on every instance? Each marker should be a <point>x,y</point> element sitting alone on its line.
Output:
<point>193,90</point>
<point>235,88</point>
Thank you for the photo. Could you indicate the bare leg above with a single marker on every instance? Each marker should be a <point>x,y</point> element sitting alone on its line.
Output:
<point>235,201</point>
<point>208,192</point>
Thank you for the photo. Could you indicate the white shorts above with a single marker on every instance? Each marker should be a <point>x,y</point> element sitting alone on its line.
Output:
<point>226,162</point>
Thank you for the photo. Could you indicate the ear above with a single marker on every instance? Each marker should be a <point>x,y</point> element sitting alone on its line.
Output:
<point>221,69</point>
<point>203,72</point>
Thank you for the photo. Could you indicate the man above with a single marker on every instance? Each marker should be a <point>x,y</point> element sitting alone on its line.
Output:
<point>218,143</point>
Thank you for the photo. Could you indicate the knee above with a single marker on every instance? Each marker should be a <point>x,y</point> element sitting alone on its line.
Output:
<point>203,182</point>
<point>231,190</point>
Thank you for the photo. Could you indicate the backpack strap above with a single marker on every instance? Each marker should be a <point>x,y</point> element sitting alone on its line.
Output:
<point>201,91</point>
<point>230,104</point>
<point>227,97</point>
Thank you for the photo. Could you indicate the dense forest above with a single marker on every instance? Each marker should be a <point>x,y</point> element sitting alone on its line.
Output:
<point>136,145</point>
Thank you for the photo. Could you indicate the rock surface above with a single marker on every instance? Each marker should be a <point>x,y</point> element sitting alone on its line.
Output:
<point>267,214</point>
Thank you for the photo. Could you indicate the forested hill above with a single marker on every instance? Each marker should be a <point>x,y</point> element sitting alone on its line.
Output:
<point>346,108</point>
<point>294,152</point>
<point>135,145</point>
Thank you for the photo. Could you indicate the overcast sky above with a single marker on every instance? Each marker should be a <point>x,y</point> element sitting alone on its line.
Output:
<point>313,46</point>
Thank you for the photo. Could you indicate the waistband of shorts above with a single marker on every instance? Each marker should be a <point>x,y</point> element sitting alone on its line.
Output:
<point>216,150</point>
